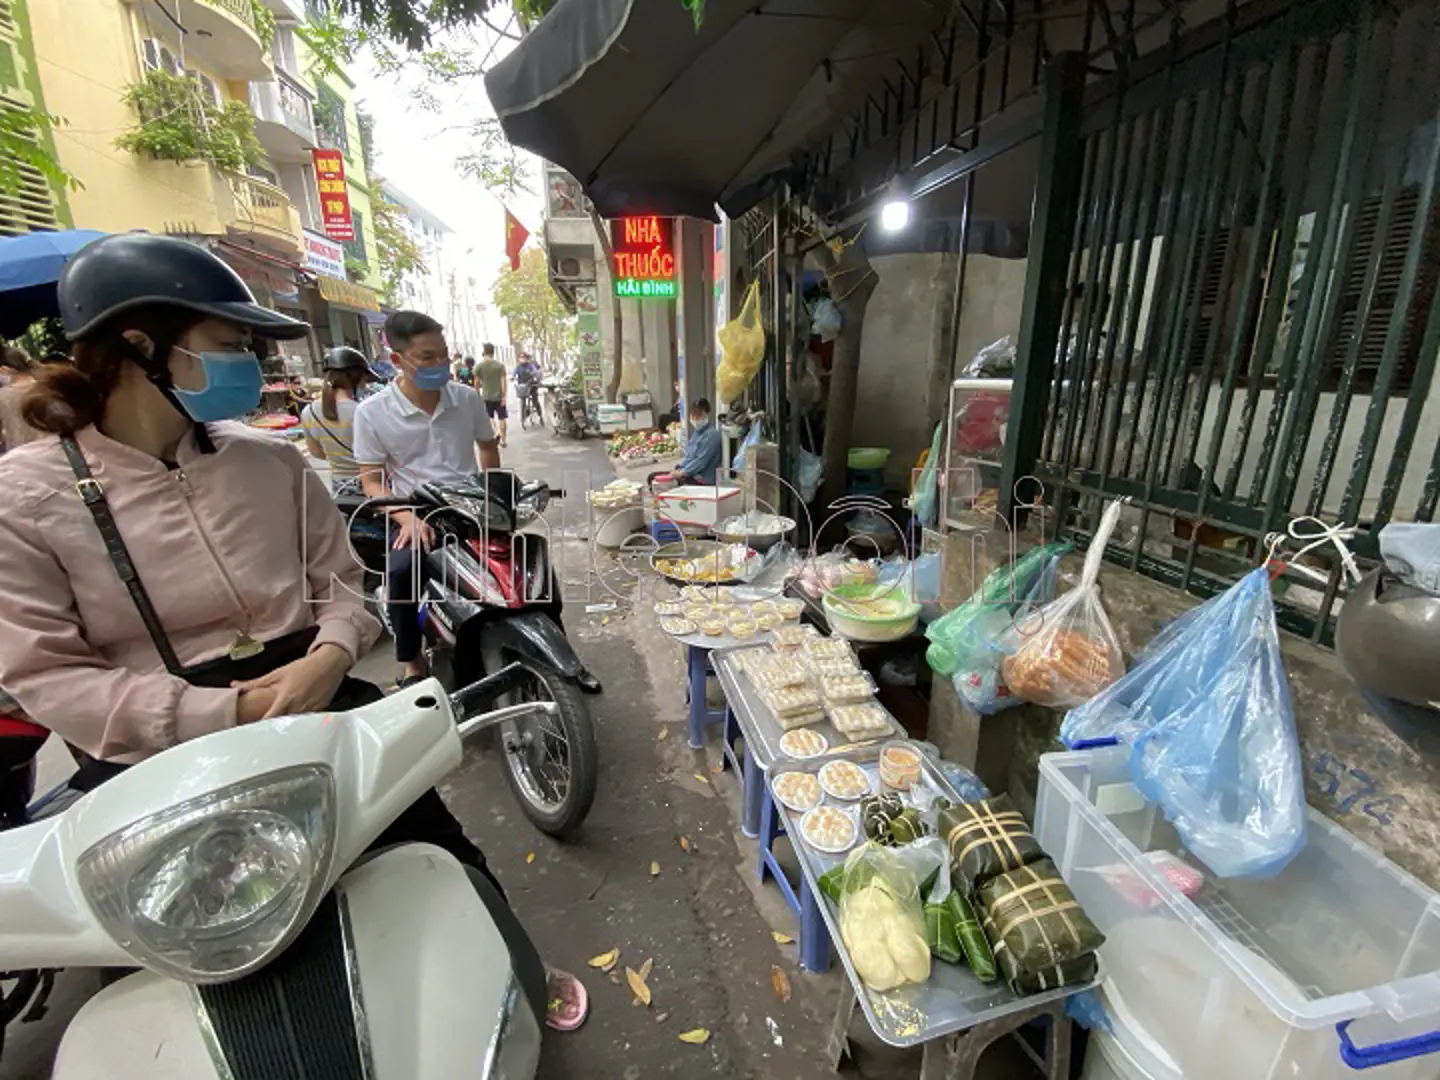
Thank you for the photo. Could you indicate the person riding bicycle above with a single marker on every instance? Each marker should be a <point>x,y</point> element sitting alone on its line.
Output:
<point>527,383</point>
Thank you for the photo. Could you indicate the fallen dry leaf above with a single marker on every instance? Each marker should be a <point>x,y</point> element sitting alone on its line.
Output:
<point>698,1037</point>
<point>647,967</point>
<point>605,620</point>
<point>701,778</point>
<point>654,869</point>
<point>637,985</point>
<point>605,961</point>
<point>530,858</point>
<point>663,732</point>
<point>684,843</point>
<point>782,939</point>
<point>717,770</point>
<point>781,983</point>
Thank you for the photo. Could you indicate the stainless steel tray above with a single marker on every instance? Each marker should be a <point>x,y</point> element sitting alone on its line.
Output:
<point>763,732</point>
<point>953,999</point>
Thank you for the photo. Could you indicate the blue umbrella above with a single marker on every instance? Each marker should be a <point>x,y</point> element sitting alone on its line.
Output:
<point>30,266</point>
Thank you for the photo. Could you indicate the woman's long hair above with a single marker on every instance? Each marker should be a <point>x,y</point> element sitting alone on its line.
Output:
<point>66,397</point>
<point>348,379</point>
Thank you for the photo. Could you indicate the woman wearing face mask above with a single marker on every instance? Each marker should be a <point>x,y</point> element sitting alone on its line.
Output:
<point>329,423</point>
<point>236,545</point>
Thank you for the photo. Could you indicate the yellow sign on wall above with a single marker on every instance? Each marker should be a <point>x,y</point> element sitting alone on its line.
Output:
<point>347,294</point>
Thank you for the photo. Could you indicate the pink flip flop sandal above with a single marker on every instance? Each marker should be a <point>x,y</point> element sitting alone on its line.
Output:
<point>567,1003</point>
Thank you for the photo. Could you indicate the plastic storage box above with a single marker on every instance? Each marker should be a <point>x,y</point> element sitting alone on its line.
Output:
<point>1330,966</point>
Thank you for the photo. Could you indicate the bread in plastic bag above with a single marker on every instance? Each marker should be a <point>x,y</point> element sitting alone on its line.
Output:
<point>1067,652</point>
<point>1208,712</point>
<point>882,921</point>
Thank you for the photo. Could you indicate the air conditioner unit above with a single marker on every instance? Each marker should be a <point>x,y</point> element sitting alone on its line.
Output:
<point>573,268</point>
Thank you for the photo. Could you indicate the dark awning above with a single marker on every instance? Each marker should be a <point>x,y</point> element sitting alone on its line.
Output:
<point>652,115</point>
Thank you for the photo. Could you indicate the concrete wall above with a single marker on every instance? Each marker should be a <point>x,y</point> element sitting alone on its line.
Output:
<point>1357,772</point>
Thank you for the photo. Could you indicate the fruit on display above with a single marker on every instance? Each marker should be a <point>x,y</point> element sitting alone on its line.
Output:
<point>638,445</point>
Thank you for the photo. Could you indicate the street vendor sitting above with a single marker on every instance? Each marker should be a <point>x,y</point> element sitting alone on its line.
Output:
<point>702,450</point>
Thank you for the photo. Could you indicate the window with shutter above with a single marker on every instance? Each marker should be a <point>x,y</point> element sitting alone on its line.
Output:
<point>1404,229</point>
<point>31,206</point>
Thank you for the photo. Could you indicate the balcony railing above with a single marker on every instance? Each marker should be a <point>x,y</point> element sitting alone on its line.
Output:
<point>263,207</point>
<point>241,9</point>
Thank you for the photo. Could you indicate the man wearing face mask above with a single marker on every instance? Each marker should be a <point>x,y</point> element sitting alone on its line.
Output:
<point>422,428</point>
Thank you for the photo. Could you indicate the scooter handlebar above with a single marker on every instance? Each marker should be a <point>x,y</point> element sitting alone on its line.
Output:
<point>466,701</point>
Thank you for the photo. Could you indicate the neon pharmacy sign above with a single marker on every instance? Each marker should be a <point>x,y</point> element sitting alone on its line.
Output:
<point>644,250</point>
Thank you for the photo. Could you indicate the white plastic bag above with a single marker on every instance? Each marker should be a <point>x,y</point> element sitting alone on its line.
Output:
<point>826,321</point>
<point>1067,652</point>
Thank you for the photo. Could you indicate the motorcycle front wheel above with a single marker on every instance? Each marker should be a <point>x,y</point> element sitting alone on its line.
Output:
<point>550,761</point>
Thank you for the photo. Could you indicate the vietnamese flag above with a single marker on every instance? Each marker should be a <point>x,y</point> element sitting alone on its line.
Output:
<point>515,237</point>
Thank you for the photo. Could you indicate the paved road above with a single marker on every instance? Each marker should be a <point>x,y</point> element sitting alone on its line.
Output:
<point>702,919</point>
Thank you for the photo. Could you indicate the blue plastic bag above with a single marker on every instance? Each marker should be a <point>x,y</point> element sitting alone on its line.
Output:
<point>925,503</point>
<point>751,439</point>
<point>1207,709</point>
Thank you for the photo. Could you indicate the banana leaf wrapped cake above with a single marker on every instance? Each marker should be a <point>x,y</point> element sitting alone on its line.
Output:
<point>1040,935</point>
<point>986,839</point>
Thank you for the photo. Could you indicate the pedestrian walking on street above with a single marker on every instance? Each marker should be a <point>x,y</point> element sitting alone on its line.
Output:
<point>493,383</point>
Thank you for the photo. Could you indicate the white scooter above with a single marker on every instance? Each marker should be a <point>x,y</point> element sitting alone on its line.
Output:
<point>232,869</point>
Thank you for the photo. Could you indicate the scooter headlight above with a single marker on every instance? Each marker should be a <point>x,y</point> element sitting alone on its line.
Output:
<point>211,889</point>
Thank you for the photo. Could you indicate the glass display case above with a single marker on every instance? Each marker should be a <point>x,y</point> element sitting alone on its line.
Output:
<point>974,449</point>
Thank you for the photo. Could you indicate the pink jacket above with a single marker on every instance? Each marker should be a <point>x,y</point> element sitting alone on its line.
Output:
<point>244,539</point>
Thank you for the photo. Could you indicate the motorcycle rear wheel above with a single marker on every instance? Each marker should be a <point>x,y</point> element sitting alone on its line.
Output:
<point>550,763</point>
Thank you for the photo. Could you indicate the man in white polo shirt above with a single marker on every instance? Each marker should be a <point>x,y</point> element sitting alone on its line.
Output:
<point>421,428</point>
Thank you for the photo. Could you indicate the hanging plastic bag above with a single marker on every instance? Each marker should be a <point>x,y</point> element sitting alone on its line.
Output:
<point>752,438</point>
<point>826,321</point>
<point>809,472</point>
<point>994,361</point>
<point>882,919</point>
<point>1066,652</point>
<point>742,345</point>
<point>925,503</point>
<point>1214,733</point>
<point>952,637</point>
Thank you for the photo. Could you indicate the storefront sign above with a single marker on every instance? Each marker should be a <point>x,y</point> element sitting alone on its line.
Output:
<point>334,195</point>
<point>592,366</point>
<point>348,295</point>
<point>324,256</point>
<point>644,256</point>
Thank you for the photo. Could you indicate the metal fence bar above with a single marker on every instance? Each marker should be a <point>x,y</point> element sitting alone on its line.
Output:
<point>1364,313</point>
<point>1390,360</point>
<point>1051,236</point>
<point>1307,107</point>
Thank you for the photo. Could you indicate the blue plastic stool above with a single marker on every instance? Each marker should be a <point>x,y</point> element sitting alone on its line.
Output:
<point>663,532</point>
<point>700,716</point>
<point>814,937</point>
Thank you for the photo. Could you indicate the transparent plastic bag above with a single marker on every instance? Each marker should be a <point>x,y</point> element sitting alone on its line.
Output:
<point>1066,652</point>
<point>925,503</point>
<point>994,361</point>
<point>882,919</point>
<point>959,639</point>
<point>1213,729</point>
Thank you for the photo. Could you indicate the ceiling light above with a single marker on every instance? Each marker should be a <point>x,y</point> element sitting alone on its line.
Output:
<point>895,215</point>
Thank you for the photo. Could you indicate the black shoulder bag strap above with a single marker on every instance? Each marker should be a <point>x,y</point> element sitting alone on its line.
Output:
<point>315,414</point>
<point>94,496</point>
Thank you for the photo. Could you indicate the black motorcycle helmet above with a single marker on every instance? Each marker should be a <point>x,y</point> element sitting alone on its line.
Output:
<point>118,273</point>
<point>346,358</point>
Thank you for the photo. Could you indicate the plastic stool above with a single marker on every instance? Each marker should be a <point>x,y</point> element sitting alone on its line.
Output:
<point>865,481</point>
<point>663,532</point>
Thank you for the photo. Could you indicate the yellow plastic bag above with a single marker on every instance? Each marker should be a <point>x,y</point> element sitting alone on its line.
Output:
<point>742,348</point>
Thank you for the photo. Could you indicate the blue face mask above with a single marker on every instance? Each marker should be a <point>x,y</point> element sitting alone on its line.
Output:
<point>431,378</point>
<point>232,386</point>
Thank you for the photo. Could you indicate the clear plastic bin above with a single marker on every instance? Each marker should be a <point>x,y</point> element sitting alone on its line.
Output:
<point>1332,965</point>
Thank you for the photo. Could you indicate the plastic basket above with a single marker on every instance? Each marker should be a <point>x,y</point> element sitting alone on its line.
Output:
<point>1331,965</point>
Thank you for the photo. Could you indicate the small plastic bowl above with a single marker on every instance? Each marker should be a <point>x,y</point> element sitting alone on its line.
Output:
<point>900,765</point>
<point>789,608</point>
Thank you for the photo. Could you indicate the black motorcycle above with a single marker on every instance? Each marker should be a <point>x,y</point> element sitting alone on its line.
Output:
<point>490,598</point>
<point>568,414</point>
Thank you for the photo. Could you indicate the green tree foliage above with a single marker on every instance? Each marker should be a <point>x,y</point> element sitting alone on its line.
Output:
<point>524,296</point>
<point>23,144</point>
<point>179,121</point>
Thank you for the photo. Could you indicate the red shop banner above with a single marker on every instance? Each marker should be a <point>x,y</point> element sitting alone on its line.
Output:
<point>334,196</point>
